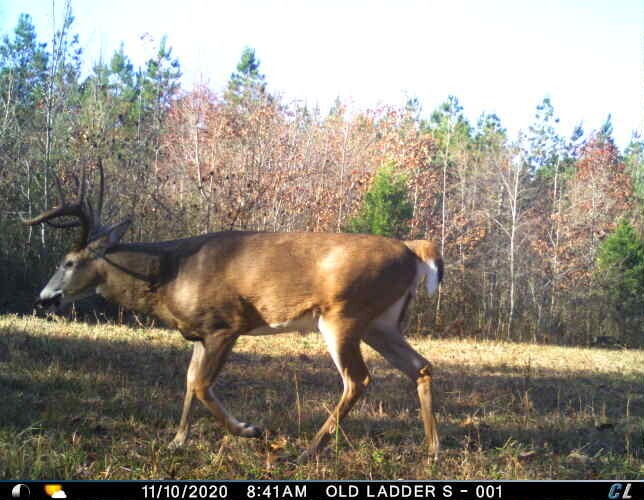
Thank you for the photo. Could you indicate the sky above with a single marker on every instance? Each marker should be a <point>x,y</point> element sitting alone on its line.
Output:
<point>499,57</point>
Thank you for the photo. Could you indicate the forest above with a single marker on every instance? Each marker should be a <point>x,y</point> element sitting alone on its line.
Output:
<point>542,234</point>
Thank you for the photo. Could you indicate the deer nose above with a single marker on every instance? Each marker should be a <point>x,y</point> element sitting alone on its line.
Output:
<point>47,301</point>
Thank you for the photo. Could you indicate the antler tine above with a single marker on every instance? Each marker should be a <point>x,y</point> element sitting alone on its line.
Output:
<point>82,210</point>
<point>88,219</point>
<point>59,188</point>
<point>83,184</point>
<point>86,215</point>
<point>101,192</point>
<point>62,211</point>
<point>76,181</point>
<point>91,215</point>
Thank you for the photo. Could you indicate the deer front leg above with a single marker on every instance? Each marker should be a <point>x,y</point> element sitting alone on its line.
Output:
<point>208,357</point>
<point>217,348</point>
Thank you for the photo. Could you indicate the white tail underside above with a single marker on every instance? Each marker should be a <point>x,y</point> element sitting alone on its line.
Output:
<point>430,270</point>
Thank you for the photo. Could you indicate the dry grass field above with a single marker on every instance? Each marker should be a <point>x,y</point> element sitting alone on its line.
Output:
<point>102,402</point>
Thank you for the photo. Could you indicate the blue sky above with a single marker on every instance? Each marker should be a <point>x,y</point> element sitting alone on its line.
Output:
<point>495,56</point>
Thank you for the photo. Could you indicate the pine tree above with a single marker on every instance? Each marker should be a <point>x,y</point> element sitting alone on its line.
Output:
<point>634,160</point>
<point>620,265</point>
<point>386,209</point>
<point>247,81</point>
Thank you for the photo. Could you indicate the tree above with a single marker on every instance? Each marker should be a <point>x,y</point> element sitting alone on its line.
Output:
<point>452,133</point>
<point>550,162</point>
<point>23,77</point>
<point>620,266</point>
<point>386,209</point>
<point>38,91</point>
<point>23,71</point>
<point>247,81</point>
<point>513,180</point>
<point>634,160</point>
<point>23,74</point>
<point>598,194</point>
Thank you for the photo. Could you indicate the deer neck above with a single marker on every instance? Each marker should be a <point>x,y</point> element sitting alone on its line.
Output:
<point>131,278</point>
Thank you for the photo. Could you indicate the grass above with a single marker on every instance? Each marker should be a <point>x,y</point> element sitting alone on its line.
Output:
<point>102,402</point>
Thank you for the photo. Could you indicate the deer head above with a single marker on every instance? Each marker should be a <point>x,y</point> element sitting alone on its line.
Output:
<point>78,275</point>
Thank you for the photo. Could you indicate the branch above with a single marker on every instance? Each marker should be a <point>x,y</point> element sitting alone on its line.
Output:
<point>502,227</point>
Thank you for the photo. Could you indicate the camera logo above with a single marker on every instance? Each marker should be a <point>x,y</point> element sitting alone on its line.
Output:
<point>619,491</point>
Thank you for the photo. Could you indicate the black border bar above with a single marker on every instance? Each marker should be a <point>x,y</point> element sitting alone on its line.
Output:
<point>324,490</point>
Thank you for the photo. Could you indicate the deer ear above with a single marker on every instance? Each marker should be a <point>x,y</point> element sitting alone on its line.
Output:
<point>116,232</point>
<point>110,236</point>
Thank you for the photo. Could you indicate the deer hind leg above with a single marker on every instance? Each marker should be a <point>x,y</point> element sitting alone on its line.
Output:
<point>344,347</point>
<point>208,358</point>
<point>385,337</point>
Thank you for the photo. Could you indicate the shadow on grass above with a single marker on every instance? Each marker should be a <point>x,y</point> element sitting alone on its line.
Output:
<point>102,389</point>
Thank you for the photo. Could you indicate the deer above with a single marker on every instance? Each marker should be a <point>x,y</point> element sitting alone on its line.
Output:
<point>216,287</point>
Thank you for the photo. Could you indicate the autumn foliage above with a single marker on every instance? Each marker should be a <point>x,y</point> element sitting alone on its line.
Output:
<point>519,221</point>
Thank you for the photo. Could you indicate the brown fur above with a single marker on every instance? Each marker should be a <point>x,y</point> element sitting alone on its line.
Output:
<point>216,287</point>
<point>248,280</point>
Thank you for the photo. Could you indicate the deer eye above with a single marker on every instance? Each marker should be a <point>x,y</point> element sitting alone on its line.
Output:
<point>69,264</point>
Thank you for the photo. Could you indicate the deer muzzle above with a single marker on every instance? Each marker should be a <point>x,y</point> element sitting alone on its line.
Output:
<point>49,301</point>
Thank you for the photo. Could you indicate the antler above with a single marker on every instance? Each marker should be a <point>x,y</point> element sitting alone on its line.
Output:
<point>88,219</point>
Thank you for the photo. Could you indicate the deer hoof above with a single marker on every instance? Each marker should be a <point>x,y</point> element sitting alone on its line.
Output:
<point>177,442</point>
<point>250,431</point>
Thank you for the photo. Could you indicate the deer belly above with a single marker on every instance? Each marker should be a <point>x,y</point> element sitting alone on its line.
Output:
<point>303,324</point>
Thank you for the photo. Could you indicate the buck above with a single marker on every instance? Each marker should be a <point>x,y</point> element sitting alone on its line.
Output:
<point>215,287</point>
